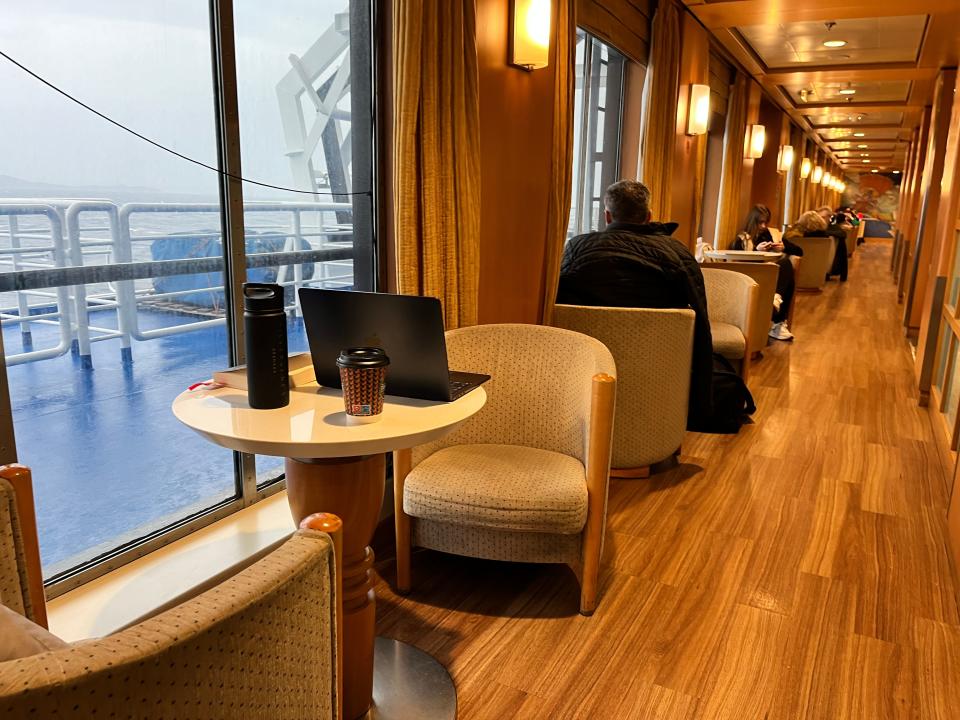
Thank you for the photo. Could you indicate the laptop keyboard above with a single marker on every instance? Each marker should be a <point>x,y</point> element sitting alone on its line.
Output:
<point>457,387</point>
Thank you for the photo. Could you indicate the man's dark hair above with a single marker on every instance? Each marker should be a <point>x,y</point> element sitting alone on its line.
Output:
<point>628,201</point>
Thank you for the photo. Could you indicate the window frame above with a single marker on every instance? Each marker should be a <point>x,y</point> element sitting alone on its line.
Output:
<point>587,154</point>
<point>363,59</point>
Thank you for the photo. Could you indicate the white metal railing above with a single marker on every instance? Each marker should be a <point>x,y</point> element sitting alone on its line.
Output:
<point>66,242</point>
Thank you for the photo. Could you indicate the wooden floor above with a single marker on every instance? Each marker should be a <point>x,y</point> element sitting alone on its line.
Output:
<point>796,570</point>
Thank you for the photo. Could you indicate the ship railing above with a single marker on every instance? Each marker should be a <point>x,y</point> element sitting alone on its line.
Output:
<point>62,274</point>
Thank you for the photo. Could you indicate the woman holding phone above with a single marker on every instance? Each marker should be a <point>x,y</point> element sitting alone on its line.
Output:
<point>757,236</point>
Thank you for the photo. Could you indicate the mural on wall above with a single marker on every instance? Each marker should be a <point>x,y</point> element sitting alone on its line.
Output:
<point>874,195</point>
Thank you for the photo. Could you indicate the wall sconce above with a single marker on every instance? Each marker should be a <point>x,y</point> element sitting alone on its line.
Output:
<point>785,158</point>
<point>758,140</point>
<point>825,180</point>
<point>698,111</point>
<point>817,175</point>
<point>530,33</point>
<point>805,167</point>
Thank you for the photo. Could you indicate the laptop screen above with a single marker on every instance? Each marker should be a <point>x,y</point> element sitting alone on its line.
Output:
<point>408,328</point>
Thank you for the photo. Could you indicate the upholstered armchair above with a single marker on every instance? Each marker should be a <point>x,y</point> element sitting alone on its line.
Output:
<point>765,275</point>
<point>653,349</point>
<point>526,478</point>
<point>731,297</point>
<point>816,262</point>
<point>852,233</point>
<point>263,643</point>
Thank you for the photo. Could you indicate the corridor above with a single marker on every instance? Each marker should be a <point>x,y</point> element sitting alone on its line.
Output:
<point>797,570</point>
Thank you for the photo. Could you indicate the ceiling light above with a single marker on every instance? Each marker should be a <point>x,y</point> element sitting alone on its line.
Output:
<point>867,160</point>
<point>874,170</point>
<point>834,43</point>
<point>862,146</point>
<point>896,172</point>
<point>847,91</point>
<point>860,134</point>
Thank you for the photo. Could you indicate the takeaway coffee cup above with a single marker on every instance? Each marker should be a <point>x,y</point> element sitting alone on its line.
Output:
<point>363,376</point>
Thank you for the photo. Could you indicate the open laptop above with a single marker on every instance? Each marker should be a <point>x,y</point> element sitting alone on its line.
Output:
<point>408,328</point>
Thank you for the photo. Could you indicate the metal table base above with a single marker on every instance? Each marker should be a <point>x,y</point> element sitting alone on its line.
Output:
<point>409,684</point>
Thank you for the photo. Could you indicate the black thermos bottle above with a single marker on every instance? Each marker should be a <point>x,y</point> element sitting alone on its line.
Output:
<point>265,331</point>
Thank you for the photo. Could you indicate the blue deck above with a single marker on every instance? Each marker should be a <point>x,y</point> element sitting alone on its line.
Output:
<point>109,460</point>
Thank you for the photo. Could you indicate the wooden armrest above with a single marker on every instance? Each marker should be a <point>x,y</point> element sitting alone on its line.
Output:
<point>20,478</point>
<point>333,526</point>
<point>599,447</point>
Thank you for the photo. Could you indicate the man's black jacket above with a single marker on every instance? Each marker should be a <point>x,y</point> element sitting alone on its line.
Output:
<point>631,265</point>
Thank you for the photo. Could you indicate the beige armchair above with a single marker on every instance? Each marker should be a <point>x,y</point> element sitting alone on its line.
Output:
<point>653,350</point>
<point>817,259</point>
<point>851,239</point>
<point>263,643</point>
<point>731,297</point>
<point>765,275</point>
<point>526,478</point>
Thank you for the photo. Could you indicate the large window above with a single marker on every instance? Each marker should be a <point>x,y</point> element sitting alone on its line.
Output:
<point>598,111</point>
<point>115,289</point>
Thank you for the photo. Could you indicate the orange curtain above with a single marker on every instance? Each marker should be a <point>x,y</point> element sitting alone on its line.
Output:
<point>660,126</point>
<point>436,143</point>
<point>561,166</point>
<point>734,137</point>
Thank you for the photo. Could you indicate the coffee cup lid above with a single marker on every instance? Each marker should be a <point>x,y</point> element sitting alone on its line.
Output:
<point>363,357</point>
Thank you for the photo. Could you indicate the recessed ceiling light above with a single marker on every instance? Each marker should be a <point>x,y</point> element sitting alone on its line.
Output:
<point>874,170</point>
<point>848,91</point>
<point>862,146</point>
<point>867,160</point>
<point>859,134</point>
<point>896,172</point>
<point>834,43</point>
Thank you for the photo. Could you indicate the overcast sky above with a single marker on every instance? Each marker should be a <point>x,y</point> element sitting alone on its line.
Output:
<point>147,64</point>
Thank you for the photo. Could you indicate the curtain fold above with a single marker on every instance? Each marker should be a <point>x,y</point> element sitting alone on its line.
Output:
<point>660,110</point>
<point>436,142</point>
<point>561,166</point>
<point>734,134</point>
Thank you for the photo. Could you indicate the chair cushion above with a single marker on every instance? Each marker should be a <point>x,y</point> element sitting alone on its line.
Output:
<point>506,487</point>
<point>728,340</point>
<point>20,638</point>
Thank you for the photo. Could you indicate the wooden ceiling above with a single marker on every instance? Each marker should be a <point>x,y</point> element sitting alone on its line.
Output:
<point>890,60</point>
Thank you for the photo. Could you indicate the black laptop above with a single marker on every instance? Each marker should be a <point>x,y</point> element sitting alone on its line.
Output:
<point>408,328</point>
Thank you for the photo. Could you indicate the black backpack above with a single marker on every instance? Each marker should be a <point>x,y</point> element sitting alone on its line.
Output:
<point>732,401</point>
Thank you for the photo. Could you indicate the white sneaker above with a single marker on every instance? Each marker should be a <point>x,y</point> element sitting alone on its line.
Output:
<point>779,331</point>
<point>777,301</point>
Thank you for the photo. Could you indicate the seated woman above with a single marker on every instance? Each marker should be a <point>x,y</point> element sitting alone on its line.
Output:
<point>756,236</point>
<point>836,226</point>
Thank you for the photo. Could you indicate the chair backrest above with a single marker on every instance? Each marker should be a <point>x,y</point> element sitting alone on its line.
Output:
<point>765,275</point>
<point>261,644</point>
<point>540,391</point>
<point>728,295</point>
<point>653,349</point>
<point>817,259</point>
<point>852,233</point>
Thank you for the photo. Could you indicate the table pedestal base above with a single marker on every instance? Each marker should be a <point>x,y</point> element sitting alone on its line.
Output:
<point>351,487</point>
<point>409,684</point>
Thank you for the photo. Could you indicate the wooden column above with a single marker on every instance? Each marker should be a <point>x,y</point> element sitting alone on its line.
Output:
<point>926,247</point>
<point>351,488</point>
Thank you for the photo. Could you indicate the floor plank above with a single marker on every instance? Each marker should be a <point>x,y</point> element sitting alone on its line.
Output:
<point>797,570</point>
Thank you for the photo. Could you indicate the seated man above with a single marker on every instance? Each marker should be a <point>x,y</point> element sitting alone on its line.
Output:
<point>635,263</point>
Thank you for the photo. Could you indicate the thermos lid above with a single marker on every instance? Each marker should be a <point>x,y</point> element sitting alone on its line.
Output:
<point>363,357</point>
<point>262,297</point>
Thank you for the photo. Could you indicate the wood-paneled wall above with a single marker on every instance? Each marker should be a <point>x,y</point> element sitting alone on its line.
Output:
<point>516,117</point>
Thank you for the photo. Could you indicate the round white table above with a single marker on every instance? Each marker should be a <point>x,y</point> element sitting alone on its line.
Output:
<point>339,468</point>
<point>741,255</point>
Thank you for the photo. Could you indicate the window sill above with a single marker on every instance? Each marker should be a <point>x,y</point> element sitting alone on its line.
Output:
<point>137,589</point>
